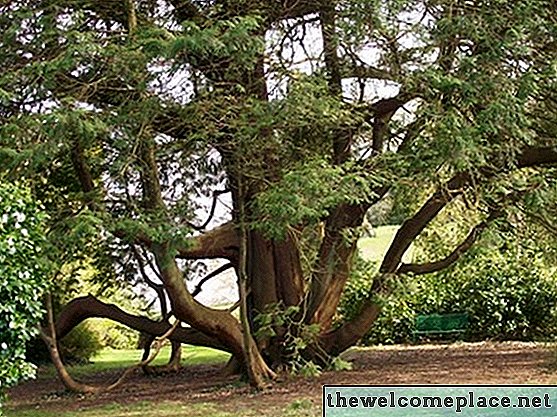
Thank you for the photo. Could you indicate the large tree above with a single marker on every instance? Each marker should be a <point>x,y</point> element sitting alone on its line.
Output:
<point>127,115</point>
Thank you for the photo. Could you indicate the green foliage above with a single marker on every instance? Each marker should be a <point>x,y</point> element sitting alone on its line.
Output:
<point>224,39</point>
<point>80,345</point>
<point>305,195</point>
<point>284,326</point>
<point>114,335</point>
<point>339,364</point>
<point>507,288</point>
<point>24,274</point>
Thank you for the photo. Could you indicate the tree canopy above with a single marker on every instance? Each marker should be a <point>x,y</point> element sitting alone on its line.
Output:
<point>127,116</point>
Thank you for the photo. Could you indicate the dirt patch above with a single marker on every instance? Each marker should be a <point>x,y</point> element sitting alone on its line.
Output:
<point>478,363</point>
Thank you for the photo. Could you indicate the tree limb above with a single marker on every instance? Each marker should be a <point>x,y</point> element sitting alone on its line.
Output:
<point>211,212</point>
<point>75,386</point>
<point>82,308</point>
<point>411,228</point>
<point>220,242</point>
<point>213,274</point>
<point>426,268</point>
<point>336,341</point>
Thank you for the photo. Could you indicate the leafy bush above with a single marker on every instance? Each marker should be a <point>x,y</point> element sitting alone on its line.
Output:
<point>509,294</point>
<point>80,345</point>
<point>114,335</point>
<point>23,278</point>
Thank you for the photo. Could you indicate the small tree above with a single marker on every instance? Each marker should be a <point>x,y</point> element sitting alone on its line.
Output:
<point>23,279</point>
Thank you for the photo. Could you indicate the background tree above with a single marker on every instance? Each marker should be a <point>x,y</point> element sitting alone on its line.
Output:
<point>307,113</point>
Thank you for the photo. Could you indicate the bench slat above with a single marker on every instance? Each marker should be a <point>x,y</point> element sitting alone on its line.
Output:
<point>441,323</point>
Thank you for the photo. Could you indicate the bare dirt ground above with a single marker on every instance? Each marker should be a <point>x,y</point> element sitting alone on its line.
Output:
<point>461,363</point>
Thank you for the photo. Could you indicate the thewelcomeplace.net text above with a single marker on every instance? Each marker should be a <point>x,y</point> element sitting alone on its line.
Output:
<point>439,400</point>
<point>458,403</point>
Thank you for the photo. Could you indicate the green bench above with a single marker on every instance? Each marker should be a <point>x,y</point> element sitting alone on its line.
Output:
<point>440,324</point>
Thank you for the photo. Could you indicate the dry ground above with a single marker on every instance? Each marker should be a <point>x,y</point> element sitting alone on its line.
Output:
<point>461,363</point>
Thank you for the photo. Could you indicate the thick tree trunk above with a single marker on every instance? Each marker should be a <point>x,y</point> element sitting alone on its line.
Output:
<point>275,278</point>
<point>333,266</point>
<point>274,270</point>
<point>217,323</point>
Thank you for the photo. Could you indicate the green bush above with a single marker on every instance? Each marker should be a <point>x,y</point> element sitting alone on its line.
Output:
<point>509,294</point>
<point>78,347</point>
<point>24,273</point>
<point>114,335</point>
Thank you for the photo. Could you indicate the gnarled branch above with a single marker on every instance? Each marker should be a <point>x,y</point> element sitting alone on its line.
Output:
<point>83,308</point>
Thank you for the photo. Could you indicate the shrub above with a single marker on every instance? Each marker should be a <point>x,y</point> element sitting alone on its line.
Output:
<point>78,347</point>
<point>509,294</point>
<point>24,274</point>
<point>114,335</point>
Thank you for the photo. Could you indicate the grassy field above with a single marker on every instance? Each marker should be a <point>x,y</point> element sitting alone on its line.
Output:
<point>174,409</point>
<point>109,359</point>
<point>373,248</point>
<point>113,359</point>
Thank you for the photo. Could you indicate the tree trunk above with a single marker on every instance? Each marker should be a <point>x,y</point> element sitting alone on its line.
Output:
<point>275,279</point>
<point>333,265</point>
<point>217,323</point>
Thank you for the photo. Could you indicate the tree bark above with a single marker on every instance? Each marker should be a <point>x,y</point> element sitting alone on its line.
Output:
<point>334,264</point>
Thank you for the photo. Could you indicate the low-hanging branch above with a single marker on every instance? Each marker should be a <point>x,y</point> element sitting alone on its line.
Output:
<point>49,337</point>
<point>220,242</point>
<point>82,308</point>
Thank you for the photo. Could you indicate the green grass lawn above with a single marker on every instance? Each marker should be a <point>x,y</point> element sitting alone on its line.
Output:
<point>176,409</point>
<point>191,355</point>
<point>109,359</point>
<point>373,248</point>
